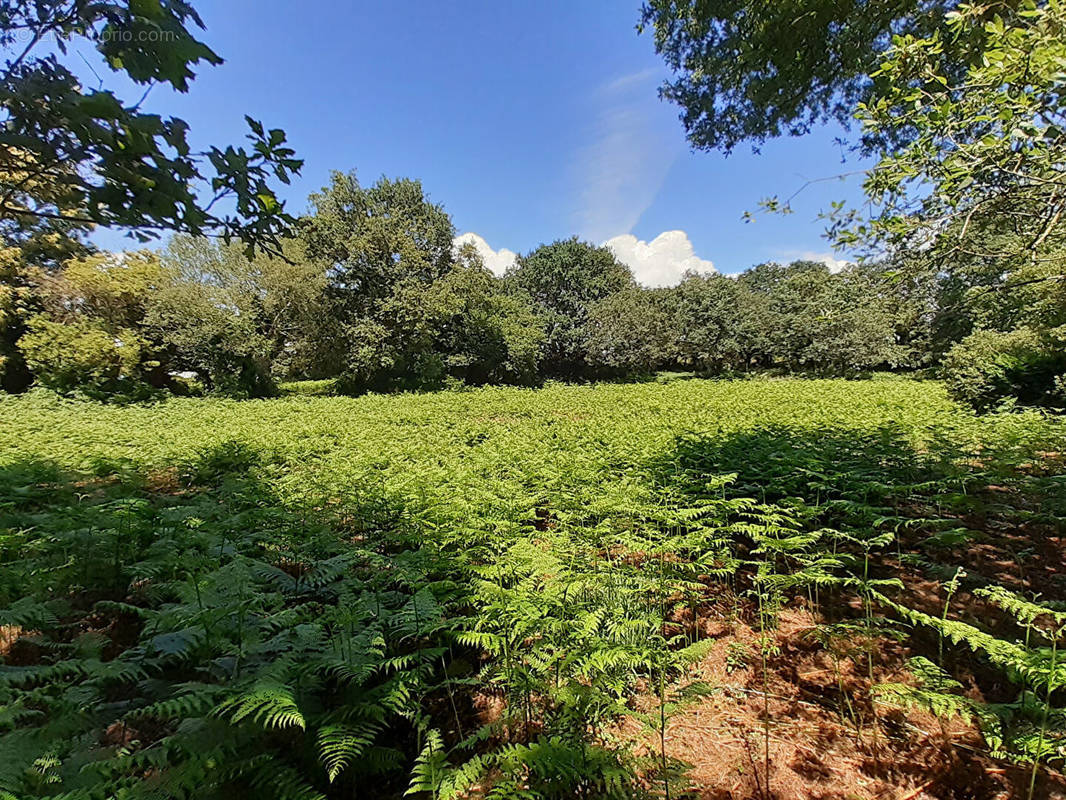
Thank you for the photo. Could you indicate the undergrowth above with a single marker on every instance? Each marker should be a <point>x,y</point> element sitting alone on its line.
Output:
<point>490,594</point>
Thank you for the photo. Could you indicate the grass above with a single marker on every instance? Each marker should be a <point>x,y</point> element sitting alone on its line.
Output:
<point>534,592</point>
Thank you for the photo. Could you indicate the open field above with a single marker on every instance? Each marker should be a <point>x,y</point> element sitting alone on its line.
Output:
<point>685,588</point>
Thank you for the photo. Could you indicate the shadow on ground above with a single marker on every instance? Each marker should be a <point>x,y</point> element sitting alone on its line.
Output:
<point>995,511</point>
<point>185,632</point>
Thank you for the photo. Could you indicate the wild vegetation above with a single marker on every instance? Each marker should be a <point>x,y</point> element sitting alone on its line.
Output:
<point>224,574</point>
<point>961,240</point>
<point>611,590</point>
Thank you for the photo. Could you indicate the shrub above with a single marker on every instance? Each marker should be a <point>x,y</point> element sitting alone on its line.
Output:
<point>84,357</point>
<point>988,367</point>
<point>323,387</point>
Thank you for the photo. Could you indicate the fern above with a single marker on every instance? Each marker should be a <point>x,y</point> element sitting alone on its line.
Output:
<point>935,692</point>
<point>309,613</point>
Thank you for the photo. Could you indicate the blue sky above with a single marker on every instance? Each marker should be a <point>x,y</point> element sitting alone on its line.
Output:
<point>529,121</point>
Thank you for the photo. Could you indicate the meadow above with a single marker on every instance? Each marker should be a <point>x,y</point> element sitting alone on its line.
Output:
<point>679,588</point>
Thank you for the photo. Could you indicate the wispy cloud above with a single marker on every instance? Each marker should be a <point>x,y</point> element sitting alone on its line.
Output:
<point>631,145</point>
<point>642,78</point>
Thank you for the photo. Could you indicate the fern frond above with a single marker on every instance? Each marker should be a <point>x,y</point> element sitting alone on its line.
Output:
<point>268,704</point>
<point>338,745</point>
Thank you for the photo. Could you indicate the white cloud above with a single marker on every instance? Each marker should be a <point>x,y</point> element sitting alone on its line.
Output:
<point>631,143</point>
<point>829,259</point>
<point>498,261</point>
<point>660,262</point>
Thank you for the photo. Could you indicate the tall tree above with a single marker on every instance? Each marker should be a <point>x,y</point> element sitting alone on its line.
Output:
<point>381,248</point>
<point>371,239</point>
<point>629,331</point>
<point>239,322</point>
<point>719,323</point>
<point>563,279</point>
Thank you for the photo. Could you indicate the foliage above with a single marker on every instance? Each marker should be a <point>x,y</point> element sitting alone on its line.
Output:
<point>752,71</point>
<point>251,647</point>
<point>75,156</point>
<point>629,331</point>
<point>381,249</point>
<point>300,601</point>
<point>84,356</point>
<point>461,326</point>
<point>238,322</point>
<point>485,334</point>
<point>719,324</point>
<point>989,367</point>
<point>310,388</point>
<point>371,240</point>
<point>40,241</point>
<point>87,332</point>
<point>1028,729</point>
<point>983,149</point>
<point>112,289</point>
<point>27,248</point>
<point>811,319</point>
<point>961,103</point>
<point>563,279</point>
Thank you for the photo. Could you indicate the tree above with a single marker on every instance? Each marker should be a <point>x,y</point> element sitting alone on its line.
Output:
<point>461,326</point>
<point>26,246</point>
<point>629,331</point>
<point>238,322</point>
<point>831,324</point>
<point>792,295</point>
<point>88,334</point>
<point>980,172</point>
<point>717,323</point>
<point>42,241</point>
<point>83,356</point>
<point>851,327</point>
<point>106,161</point>
<point>750,70</point>
<point>372,239</point>
<point>563,279</point>
<point>111,288</point>
<point>485,334</point>
<point>381,248</point>
<point>971,197</point>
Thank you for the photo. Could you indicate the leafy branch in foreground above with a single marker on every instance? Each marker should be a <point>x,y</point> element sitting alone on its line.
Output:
<point>113,162</point>
<point>983,151</point>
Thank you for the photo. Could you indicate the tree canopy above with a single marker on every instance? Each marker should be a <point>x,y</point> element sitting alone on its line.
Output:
<point>751,70</point>
<point>962,235</point>
<point>563,279</point>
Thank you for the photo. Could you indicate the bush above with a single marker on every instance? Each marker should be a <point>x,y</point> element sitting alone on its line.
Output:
<point>988,367</point>
<point>324,387</point>
<point>85,357</point>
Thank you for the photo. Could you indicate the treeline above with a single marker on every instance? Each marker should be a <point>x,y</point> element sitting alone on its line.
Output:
<point>371,291</point>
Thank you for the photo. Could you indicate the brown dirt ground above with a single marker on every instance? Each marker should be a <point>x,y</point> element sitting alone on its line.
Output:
<point>814,752</point>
